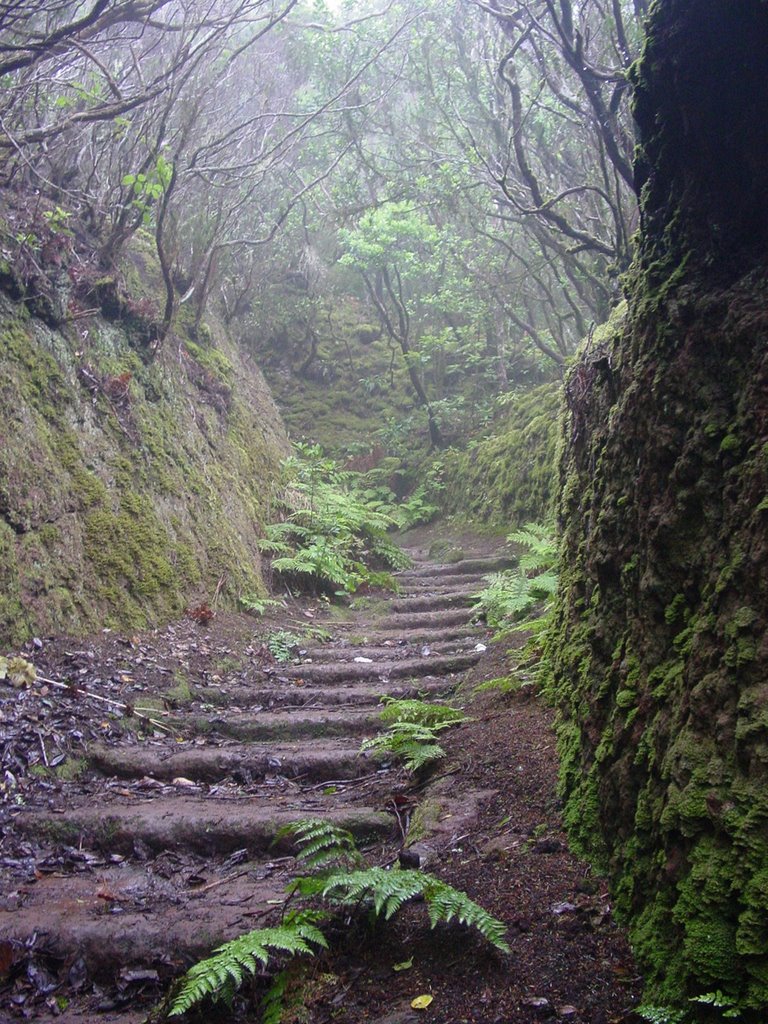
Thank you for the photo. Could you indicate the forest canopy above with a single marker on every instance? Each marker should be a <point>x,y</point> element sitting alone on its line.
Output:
<point>463,171</point>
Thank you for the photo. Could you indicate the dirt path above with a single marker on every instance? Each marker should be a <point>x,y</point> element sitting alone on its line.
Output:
<point>130,851</point>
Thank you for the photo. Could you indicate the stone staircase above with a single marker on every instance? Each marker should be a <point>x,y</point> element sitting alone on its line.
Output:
<point>169,845</point>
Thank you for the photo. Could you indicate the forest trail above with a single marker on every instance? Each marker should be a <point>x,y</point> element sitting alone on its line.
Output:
<point>164,843</point>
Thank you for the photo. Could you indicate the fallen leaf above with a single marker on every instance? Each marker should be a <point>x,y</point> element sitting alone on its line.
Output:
<point>564,908</point>
<point>7,958</point>
<point>404,965</point>
<point>421,1002</point>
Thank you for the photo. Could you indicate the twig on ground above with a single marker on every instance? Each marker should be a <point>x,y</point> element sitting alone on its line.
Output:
<point>107,700</point>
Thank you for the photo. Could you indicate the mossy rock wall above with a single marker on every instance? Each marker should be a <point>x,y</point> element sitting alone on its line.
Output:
<point>509,477</point>
<point>660,651</point>
<point>130,486</point>
<point>354,387</point>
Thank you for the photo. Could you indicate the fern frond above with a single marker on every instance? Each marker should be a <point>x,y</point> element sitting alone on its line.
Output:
<point>545,583</point>
<point>227,965</point>
<point>503,685</point>
<point>433,715</point>
<point>385,549</point>
<point>320,842</point>
<point>446,903</point>
<point>388,890</point>
<point>415,744</point>
<point>509,594</point>
<point>416,756</point>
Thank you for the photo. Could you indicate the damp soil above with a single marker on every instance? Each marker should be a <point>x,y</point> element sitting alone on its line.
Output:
<point>146,778</point>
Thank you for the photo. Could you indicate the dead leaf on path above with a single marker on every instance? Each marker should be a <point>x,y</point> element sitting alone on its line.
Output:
<point>6,958</point>
<point>421,1002</point>
<point>405,965</point>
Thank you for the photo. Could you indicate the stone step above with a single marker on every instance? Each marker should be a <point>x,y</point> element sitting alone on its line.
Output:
<point>406,668</point>
<point>295,694</point>
<point>424,634</point>
<point>114,920</point>
<point>116,917</point>
<point>428,620</point>
<point>436,585</point>
<point>241,762</point>
<point>390,650</point>
<point>468,566</point>
<point>431,602</point>
<point>207,827</point>
<point>286,724</point>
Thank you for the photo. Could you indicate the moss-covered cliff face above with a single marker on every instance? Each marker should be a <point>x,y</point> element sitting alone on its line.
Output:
<point>661,657</point>
<point>510,477</point>
<point>130,486</point>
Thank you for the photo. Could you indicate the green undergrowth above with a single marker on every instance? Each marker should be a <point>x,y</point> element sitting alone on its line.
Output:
<point>352,388</point>
<point>336,879</point>
<point>510,596</point>
<point>412,729</point>
<point>333,534</point>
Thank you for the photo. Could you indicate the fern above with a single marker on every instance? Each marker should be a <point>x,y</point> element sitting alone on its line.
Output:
<point>503,685</point>
<point>541,546</point>
<point>389,890</point>
<point>330,852</point>
<point>282,644</point>
<point>660,1014</point>
<point>334,532</point>
<point>412,733</point>
<point>510,596</point>
<point>433,715</point>
<point>320,842</point>
<point>727,1004</point>
<point>446,903</point>
<point>226,968</point>
<point>416,745</point>
<point>257,605</point>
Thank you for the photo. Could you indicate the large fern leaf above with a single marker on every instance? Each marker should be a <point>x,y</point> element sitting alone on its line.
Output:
<point>411,742</point>
<point>228,965</point>
<point>446,903</point>
<point>388,890</point>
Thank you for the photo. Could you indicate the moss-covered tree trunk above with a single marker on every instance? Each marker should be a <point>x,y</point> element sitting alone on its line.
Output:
<point>661,659</point>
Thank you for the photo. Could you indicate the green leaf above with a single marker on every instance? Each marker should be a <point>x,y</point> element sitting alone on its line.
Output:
<point>298,934</point>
